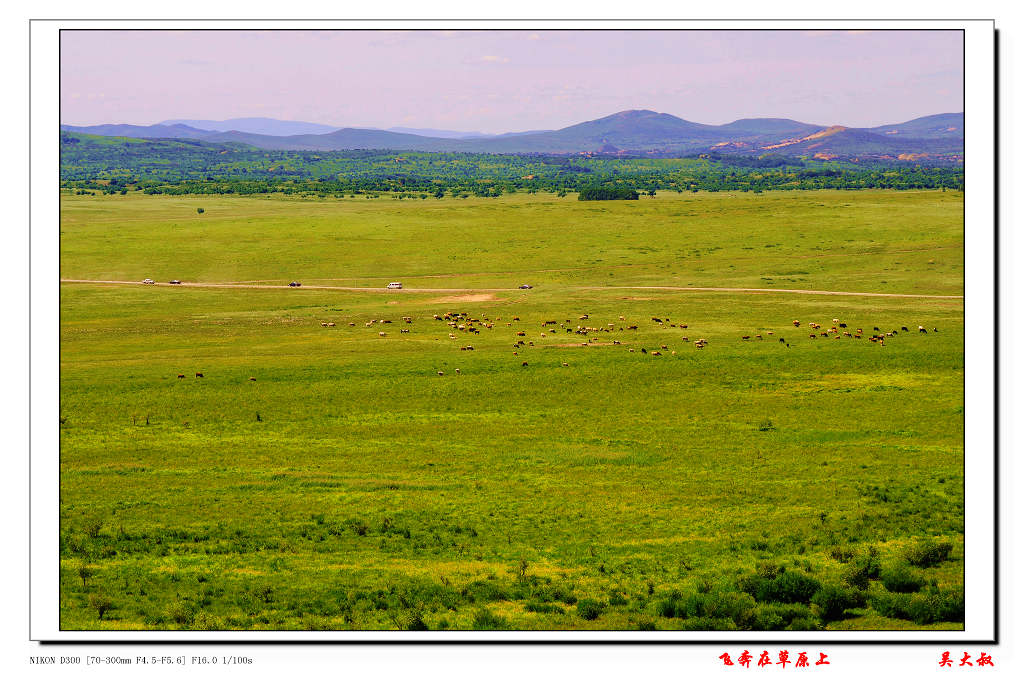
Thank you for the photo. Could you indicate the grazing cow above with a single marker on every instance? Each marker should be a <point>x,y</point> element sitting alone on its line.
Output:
<point>382,334</point>
<point>331,324</point>
<point>181,375</point>
<point>904,328</point>
<point>631,349</point>
<point>683,325</point>
<point>405,330</point>
<point>935,330</point>
<point>521,333</point>
<point>440,372</point>
<point>745,337</point>
<point>759,337</point>
<point>796,323</point>
<point>835,320</point>
<point>842,325</point>
<point>252,379</point>
<point>656,319</point>
<point>525,364</point>
<point>351,323</point>
<point>199,375</point>
<point>622,318</point>
<point>876,328</point>
<point>686,339</point>
<point>664,346</point>
<point>813,336</point>
<point>920,329</point>
<point>655,353</point>
<point>643,350</point>
<point>782,340</point>
<point>457,371</point>
<point>324,324</point>
<point>564,364</point>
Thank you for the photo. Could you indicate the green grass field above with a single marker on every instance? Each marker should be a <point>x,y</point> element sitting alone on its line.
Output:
<point>745,485</point>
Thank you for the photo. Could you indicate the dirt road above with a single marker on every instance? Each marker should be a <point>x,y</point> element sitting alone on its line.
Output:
<point>365,289</point>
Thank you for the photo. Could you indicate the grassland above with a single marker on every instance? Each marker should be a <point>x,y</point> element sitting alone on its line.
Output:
<point>351,486</point>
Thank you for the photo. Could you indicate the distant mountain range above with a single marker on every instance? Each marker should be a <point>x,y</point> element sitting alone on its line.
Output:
<point>625,133</point>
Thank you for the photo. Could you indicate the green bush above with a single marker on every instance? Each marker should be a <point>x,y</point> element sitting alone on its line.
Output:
<point>935,605</point>
<point>892,605</point>
<point>485,620</point>
<point>902,579</point>
<point>770,570</point>
<point>608,193</point>
<point>832,601</point>
<point>862,570</point>
<point>789,587</point>
<point>669,607</point>
<point>805,623</point>
<point>928,553</point>
<point>778,616</point>
<point>589,609</point>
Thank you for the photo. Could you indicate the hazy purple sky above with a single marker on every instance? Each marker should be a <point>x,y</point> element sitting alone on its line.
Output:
<point>501,81</point>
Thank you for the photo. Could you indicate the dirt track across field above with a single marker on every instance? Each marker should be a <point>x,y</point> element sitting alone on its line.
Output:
<point>481,291</point>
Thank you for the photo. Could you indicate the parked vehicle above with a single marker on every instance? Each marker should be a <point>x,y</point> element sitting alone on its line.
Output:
<point>395,285</point>
<point>147,281</point>
<point>525,286</point>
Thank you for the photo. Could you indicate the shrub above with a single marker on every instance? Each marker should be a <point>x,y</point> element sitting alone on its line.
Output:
<point>542,608</point>
<point>902,579</point>
<point>484,591</point>
<point>805,623</point>
<point>671,606</point>
<point>646,625</point>
<point>892,605</point>
<point>935,605</point>
<point>928,553</point>
<point>183,613</point>
<point>101,603</point>
<point>770,570</point>
<point>778,616</point>
<point>866,567</point>
<point>616,599</point>
<point>789,587</point>
<point>485,620</point>
<point>608,193</point>
<point>589,609</point>
<point>832,601</point>
<point>704,623</point>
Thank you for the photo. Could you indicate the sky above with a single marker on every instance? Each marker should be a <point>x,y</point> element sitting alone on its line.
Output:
<point>508,81</point>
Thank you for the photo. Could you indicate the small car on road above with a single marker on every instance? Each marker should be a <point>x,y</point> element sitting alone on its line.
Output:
<point>148,281</point>
<point>294,284</point>
<point>525,286</point>
<point>175,282</point>
<point>394,285</point>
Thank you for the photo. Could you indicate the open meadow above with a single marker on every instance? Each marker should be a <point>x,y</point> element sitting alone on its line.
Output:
<point>566,472</point>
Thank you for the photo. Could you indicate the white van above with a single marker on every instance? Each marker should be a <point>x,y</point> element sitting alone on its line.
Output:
<point>394,285</point>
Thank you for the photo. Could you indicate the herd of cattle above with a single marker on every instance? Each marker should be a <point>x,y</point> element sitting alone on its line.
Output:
<point>461,325</point>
